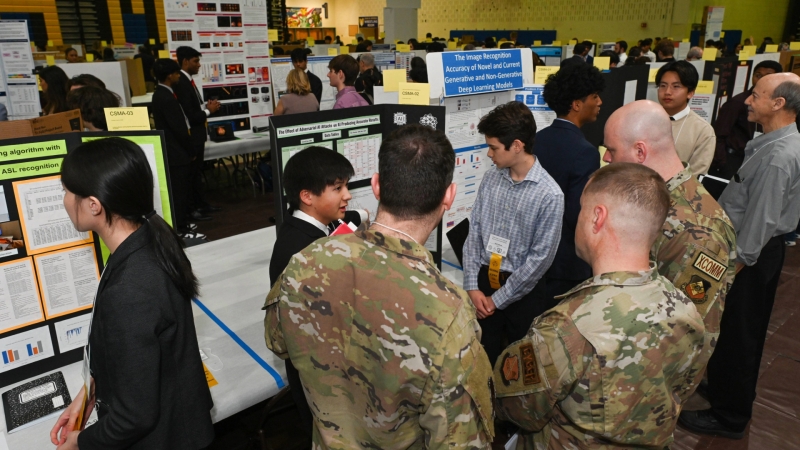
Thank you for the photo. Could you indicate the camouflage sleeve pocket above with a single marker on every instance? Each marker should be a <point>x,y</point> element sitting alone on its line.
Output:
<point>478,384</point>
<point>274,294</point>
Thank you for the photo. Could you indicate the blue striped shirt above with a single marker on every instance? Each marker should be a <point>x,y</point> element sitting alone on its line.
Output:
<point>529,213</point>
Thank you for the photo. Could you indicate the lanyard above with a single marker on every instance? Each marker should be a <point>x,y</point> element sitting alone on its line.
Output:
<point>737,177</point>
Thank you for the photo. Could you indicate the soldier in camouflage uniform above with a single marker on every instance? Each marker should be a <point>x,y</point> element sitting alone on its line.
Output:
<point>696,249</point>
<point>612,364</point>
<point>388,349</point>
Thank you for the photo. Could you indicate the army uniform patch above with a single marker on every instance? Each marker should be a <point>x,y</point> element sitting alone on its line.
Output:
<point>510,369</point>
<point>530,372</point>
<point>709,266</point>
<point>697,289</point>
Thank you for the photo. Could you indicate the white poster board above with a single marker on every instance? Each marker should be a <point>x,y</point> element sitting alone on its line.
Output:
<point>113,73</point>
<point>18,88</point>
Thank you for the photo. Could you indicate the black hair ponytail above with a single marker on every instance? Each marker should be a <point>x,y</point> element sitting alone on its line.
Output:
<point>116,172</point>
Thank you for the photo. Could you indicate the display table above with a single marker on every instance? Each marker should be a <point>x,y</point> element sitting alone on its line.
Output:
<point>234,279</point>
<point>142,100</point>
<point>249,144</point>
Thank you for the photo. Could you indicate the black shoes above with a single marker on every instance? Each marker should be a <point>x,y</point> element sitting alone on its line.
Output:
<point>199,216</point>
<point>704,422</point>
<point>208,209</point>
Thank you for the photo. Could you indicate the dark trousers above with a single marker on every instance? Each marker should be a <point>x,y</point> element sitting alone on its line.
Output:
<point>733,368</point>
<point>511,324</point>
<point>299,397</point>
<point>196,195</point>
<point>179,180</point>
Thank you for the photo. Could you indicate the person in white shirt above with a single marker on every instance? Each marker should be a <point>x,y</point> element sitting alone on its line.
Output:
<point>694,137</point>
<point>621,48</point>
<point>646,51</point>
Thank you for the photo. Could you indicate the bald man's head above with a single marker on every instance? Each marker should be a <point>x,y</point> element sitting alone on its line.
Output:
<point>776,94</point>
<point>638,132</point>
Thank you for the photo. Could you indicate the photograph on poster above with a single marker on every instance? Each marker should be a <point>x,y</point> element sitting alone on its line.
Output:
<point>45,223</point>
<point>11,240</point>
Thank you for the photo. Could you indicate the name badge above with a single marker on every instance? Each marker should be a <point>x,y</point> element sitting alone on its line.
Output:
<point>498,245</point>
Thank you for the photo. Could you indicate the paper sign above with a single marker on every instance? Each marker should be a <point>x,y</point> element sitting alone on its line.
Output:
<point>794,45</point>
<point>50,43</point>
<point>414,93</point>
<point>392,79</point>
<point>163,54</point>
<point>542,72</point>
<point>104,43</point>
<point>452,45</point>
<point>127,119</point>
<point>428,40</point>
<point>602,62</point>
<point>382,35</point>
<point>152,42</point>
<point>743,55</point>
<point>652,77</point>
<point>51,60</point>
<point>309,41</point>
<point>709,54</point>
<point>354,42</point>
<point>344,50</point>
<point>752,49</point>
<point>705,87</point>
<point>557,43</point>
<point>573,42</point>
<point>209,376</point>
<point>771,48</point>
<point>685,40</point>
<point>272,35</point>
<point>90,57</point>
<point>332,51</point>
<point>537,42</point>
<point>721,34</point>
<point>403,48</point>
<point>270,52</point>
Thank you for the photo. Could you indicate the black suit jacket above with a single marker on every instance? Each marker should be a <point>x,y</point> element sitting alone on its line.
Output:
<point>575,59</point>
<point>295,235</point>
<point>570,159</point>
<point>145,359</point>
<point>168,117</point>
<point>193,109</point>
<point>316,86</point>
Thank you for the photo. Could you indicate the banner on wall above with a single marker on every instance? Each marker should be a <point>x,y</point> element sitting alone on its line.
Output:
<point>304,17</point>
<point>234,69</point>
<point>18,86</point>
<point>368,22</point>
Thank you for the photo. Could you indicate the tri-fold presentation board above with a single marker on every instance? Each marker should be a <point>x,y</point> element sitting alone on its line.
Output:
<point>18,89</point>
<point>356,133</point>
<point>232,37</point>
<point>49,271</point>
<point>318,65</point>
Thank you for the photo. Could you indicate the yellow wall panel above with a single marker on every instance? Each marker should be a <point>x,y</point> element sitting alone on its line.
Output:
<point>138,6</point>
<point>757,19</point>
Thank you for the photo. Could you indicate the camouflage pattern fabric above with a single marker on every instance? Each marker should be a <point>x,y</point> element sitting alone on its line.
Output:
<point>610,366</point>
<point>696,250</point>
<point>388,349</point>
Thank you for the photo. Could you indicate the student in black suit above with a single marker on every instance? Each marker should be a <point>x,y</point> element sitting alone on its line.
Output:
<point>197,112</point>
<point>147,380</point>
<point>169,117</point>
<point>300,61</point>
<point>579,54</point>
<point>315,181</point>
<point>573,93</point>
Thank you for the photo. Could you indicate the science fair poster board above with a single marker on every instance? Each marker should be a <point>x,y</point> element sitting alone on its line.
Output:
<point>356,133</point>
<point>318,65</point>
<point>18,87</point>
<point>113,73</point>
<point>232,37</point>
<point>49,271</point>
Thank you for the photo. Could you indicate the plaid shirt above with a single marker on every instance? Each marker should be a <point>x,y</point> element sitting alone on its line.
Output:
<point>530,214</point>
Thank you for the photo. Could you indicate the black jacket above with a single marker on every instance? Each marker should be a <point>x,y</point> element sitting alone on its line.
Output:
<point>570,159</point>
<point>193,108</point>
<point>316,86</point>
<point>295,235</point>
<point>169,118</point>
<point>145,360</point>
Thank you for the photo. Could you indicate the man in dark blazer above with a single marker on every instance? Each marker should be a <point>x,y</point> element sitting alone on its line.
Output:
<point>169,118</point>
<point>308,191</point>
<point>579,53</point>
<point>197,112</point>
<point>563,151</point>
<point>300,61</point>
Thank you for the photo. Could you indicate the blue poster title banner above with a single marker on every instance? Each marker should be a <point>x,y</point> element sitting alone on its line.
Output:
<point>475,72</point>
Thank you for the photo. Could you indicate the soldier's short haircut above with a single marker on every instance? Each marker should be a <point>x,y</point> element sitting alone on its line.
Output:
<point>416,167</point>
<point>638,187</point>
<point>313,169</point>
<point>510,122</point>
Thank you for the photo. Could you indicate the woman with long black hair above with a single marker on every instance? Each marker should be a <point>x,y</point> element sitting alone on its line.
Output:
<point>147,380</point>
<point>54,83</point>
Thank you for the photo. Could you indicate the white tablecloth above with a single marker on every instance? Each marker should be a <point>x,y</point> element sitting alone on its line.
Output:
<point>250,144</point>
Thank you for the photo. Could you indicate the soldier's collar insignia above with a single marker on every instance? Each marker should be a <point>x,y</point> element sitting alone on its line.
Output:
<point>510,369</point>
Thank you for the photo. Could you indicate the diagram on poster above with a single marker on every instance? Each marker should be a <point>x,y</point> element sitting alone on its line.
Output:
<point>19,297</point>
<point>362,152</point>
<point>25,348</point>
<point>68,279</point>
<point>45,223</point>
<point>533,97</point>
<point>73,333</point>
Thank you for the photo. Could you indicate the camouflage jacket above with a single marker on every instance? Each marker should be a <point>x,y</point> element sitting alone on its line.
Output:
<point>696,249</point>
<point>388,349</point>
<point>611,365</point>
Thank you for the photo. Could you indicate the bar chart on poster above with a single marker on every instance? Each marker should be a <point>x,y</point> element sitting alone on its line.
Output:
<point>25,348</point>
